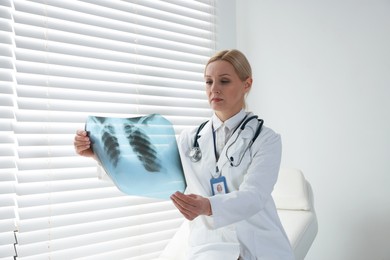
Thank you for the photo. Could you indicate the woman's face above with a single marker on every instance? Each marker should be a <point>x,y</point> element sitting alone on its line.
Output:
<point>224,89</point>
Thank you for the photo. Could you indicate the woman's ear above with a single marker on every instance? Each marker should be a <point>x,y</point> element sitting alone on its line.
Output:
<point>248,84</point>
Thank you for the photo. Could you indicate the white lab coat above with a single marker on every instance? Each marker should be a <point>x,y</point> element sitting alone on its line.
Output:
<point>244,223</point>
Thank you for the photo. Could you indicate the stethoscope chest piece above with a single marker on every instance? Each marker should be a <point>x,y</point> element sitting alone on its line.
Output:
<point>195,154</point>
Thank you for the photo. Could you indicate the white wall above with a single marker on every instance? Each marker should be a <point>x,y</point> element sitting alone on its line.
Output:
<point>226,31</point>
<point>322,80</point>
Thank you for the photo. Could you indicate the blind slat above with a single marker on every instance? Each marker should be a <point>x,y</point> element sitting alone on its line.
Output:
<point>27,46</point>
<point>158,14</point>
<point>141,244</point>
<point>101,86</point>
<point>33,40</point>
<point>84,39</point>
<point>145,94</point>
<point>60,228</point>
<point>73,63</point>
<point>106,27</point>
<point>99,107</point>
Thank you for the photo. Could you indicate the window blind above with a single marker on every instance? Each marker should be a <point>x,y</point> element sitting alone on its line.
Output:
<point>70,59</point>
<point>7,140</point>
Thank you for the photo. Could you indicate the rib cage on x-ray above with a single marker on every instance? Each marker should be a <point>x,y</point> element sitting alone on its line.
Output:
<point>138,140</point>
<point>142,146</point>
<point>111,144</point>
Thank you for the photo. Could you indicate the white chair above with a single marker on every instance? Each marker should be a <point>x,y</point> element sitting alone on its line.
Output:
<point>293,197</point>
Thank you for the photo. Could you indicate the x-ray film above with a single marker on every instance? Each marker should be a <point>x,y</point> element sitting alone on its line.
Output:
<point>139,154</point>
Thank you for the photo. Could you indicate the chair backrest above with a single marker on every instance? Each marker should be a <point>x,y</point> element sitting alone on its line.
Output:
<point>291,191</point>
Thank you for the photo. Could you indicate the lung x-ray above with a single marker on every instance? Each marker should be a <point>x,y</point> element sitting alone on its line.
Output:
<point>139,154</point>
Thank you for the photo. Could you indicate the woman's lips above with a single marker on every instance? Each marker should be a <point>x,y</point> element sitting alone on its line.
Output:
<point>216,99</point>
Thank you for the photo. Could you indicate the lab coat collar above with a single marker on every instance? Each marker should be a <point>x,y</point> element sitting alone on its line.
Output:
<point>231,123</point>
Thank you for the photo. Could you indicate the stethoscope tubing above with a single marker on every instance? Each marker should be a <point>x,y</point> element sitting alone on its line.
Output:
<point>257,133</point>
<point>195,153</point>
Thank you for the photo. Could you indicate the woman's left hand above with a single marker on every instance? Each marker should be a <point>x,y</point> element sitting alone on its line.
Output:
<point>191,205</point>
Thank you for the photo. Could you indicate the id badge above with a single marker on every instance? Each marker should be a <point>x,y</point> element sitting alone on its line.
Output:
<point>218,185</point>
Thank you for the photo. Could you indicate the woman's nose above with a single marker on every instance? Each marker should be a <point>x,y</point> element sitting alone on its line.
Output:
<point>215,88</point>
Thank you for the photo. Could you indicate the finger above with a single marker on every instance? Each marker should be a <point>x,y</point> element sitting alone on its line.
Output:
<point>81,132</point>
<point>82,148</point>
<point>177,201</point>
<point>183,200</point>
<point>181,204</point>
<point>188,199</point>
<point>81,145</point>
<point>180,207</point>
<point>188,210</point>
<point>81,138</point>
<point>187,214</point>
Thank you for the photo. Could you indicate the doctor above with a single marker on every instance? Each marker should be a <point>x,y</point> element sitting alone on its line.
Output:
<point>234,157</point>
<point>242,223</point>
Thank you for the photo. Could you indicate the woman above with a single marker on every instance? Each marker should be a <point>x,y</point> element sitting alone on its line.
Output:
<point>242,223</point>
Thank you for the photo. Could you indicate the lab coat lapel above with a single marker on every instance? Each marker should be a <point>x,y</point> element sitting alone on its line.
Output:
<point>206,145</point>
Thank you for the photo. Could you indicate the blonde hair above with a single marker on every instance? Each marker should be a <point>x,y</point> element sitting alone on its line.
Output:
<point>237,59</point>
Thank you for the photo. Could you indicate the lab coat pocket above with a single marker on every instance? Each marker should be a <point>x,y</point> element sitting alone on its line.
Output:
<point>203,234</point>
<point>216,244</point>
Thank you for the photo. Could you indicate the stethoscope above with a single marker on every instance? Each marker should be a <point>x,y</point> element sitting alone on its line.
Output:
<point>195,153</point>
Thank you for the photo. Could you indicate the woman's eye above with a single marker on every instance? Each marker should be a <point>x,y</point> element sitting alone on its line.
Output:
<point>209,82</point>
<point>225,81</point>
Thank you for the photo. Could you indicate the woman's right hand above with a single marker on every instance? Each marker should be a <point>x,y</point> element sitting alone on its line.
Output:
<point>82,144</point>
